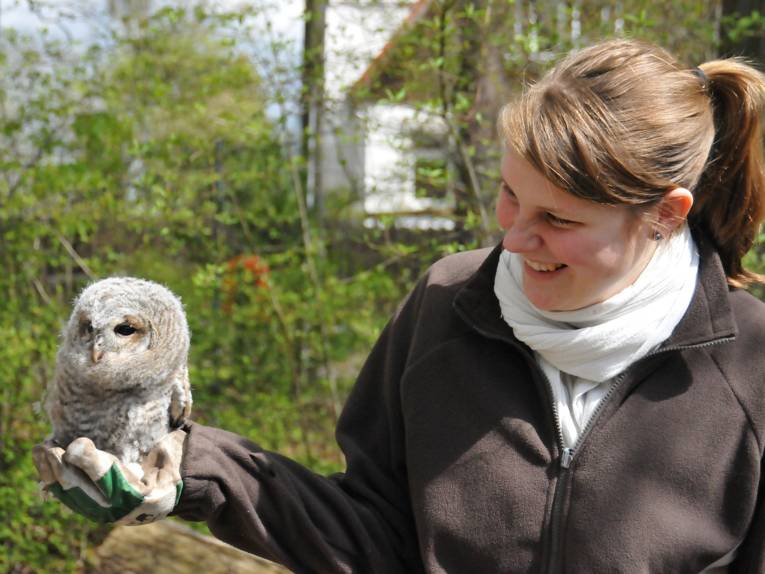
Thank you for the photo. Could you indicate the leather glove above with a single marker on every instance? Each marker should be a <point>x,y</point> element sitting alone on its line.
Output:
<point>97,485</point>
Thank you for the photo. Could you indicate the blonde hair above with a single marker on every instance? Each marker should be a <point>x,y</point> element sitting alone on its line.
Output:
<point>623,122</point>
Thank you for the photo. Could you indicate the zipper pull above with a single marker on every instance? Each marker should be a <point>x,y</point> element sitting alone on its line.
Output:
<point>565,458</point>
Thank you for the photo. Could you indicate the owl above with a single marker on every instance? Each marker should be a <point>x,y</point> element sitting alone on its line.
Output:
<point>121,369</point>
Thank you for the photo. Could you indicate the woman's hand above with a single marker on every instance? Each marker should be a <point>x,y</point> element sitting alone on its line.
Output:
<point>95,484</point>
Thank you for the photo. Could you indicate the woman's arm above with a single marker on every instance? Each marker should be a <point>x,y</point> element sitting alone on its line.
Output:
<point>266,504</point>
<point>751,554</point>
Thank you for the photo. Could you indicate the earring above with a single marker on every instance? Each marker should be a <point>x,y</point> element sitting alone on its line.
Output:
<point>657,236</point>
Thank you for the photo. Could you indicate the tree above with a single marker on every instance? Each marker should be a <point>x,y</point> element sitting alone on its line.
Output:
<point>312,104</point>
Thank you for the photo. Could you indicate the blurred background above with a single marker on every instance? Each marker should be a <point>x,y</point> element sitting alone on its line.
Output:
<point>289,168</point>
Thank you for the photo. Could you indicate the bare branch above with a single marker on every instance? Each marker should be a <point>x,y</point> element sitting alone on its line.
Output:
<point>41,291</point>
<point>75,256</point>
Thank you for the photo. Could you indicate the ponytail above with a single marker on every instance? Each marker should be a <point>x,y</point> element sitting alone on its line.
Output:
<point>729,199</point>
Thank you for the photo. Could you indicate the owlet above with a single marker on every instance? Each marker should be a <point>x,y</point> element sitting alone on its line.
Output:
<point>121,375</point>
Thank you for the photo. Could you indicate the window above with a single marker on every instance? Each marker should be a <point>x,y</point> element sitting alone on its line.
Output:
<point>431,177</point>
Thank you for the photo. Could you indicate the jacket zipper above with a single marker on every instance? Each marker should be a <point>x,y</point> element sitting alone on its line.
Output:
<point>566,457</point>
<point>568,453</point>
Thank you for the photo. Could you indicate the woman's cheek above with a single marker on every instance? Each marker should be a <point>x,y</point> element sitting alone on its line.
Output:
<point>605,260</point>
<point>573,250</point>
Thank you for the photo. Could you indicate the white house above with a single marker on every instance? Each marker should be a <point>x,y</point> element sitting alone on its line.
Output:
<point>379,150</point>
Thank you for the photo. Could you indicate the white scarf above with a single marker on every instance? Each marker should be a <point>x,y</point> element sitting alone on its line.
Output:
<point>602,340</point>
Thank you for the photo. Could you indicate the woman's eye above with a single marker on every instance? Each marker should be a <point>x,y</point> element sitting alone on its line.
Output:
<point>124,329</point>
<point>506,189</point>
<point>558,222</point>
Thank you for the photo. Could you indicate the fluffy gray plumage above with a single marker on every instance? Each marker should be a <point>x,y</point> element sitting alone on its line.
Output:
<point>121,375</point>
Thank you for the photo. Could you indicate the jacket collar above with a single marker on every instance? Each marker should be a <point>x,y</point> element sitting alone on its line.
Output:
<point>709,317</point>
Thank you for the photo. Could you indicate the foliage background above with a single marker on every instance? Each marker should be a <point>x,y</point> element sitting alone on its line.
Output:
<point>153,153</point>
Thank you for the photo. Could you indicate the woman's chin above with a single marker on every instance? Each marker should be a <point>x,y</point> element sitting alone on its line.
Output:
<point>547,297</point>
<point>544,302</point>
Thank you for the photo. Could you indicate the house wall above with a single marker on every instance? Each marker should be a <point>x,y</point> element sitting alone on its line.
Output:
<point>356,32</point>
<point>390,157</point>
<point>370,150</point>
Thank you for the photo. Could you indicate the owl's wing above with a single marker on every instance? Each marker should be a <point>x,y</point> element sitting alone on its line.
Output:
<point>180,401</point>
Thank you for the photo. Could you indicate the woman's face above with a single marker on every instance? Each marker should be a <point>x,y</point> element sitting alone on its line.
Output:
<point>575,252</point>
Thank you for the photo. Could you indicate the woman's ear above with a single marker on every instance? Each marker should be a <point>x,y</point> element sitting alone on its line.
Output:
<point>673,209</point>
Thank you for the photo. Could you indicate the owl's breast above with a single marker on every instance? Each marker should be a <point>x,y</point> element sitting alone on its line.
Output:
<point>127,424</point>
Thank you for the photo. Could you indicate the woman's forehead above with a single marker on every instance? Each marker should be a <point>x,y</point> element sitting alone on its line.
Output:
<point>531,185</point>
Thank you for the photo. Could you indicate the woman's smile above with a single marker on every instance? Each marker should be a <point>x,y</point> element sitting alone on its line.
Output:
<point>543,267</point>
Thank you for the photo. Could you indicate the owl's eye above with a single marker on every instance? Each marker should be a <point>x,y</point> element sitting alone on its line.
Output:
<point>124,329</point>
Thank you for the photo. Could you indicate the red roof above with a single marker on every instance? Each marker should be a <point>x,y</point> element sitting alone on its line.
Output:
<point>418,11</point>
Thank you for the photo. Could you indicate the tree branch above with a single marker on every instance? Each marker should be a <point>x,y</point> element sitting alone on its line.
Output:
<point>74,255</point>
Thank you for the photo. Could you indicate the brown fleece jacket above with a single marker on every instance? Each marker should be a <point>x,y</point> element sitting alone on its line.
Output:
<point>454,462</point>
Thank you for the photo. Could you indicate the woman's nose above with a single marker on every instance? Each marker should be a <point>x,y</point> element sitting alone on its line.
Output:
<point>521,237</point>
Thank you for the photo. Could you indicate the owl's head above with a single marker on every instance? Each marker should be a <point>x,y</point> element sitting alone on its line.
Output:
<point>125,330</point>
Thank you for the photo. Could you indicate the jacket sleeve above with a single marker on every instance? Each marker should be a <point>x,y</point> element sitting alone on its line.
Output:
<point>751,554</point>
<point>267,504</point>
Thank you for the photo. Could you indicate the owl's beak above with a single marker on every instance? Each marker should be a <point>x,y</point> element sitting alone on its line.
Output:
<point>96,353</point>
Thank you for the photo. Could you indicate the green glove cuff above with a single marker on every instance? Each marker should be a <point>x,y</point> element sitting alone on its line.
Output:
<point>122,497</point>
<point>99,486</point>
<point>178,492</point>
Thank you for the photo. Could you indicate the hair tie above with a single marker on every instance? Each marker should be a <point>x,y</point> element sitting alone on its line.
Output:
<point>699,73</point>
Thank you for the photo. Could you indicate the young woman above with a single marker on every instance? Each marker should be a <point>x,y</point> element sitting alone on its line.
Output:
<point>588,396</point>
